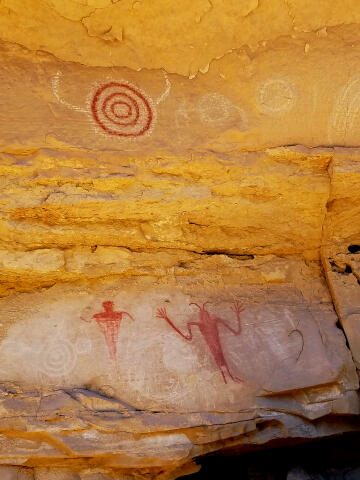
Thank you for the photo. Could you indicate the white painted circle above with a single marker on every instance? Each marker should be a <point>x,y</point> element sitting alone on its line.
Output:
<point>215,109</point>
<point>276,96</point>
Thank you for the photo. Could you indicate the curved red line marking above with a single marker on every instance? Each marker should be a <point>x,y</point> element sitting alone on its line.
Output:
<point>126,115</point>
<point>135,105</point>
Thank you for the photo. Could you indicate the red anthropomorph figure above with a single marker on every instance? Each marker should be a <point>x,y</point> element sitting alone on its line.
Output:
<point>209,329</point>
<point>109,324</point>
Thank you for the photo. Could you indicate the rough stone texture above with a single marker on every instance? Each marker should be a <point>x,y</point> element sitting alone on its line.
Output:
<point>333,474</point>
<point>14,473</point>
<point>179,231</point>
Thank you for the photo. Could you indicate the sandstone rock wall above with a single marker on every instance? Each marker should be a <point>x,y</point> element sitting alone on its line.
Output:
<point>179,231</point>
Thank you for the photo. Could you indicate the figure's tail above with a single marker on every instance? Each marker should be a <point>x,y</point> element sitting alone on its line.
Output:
<point>111,337</point>
<point>112,351</point>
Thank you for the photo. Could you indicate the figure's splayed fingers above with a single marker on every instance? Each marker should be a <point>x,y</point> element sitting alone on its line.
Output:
<point>161,313</point>
<point>237,308</point>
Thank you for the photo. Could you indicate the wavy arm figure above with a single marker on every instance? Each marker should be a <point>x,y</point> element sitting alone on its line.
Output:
<point>209,329</point>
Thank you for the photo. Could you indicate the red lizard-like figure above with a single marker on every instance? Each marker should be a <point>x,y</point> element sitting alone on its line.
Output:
<point>209,329</point>
<point>109,324</point>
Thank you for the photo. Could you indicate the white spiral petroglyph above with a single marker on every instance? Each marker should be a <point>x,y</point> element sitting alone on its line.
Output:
<point>58,358</point>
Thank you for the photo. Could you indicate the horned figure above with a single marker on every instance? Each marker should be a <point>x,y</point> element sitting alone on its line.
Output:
<point>209,329</point>
<point>109,324</point>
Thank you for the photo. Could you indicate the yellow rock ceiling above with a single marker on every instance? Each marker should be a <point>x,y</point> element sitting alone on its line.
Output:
<point>181,37</point>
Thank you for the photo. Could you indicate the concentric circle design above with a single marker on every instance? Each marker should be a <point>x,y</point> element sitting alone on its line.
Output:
<point>121,109</point>
<point>58,358</point>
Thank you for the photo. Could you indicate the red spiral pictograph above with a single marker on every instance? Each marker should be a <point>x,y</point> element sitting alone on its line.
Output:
<point>121,109</point>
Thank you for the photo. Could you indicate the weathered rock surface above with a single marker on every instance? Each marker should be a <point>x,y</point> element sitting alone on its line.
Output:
<point>179,232</point>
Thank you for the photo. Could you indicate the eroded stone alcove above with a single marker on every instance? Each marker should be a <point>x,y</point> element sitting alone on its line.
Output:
<point>179,232</point>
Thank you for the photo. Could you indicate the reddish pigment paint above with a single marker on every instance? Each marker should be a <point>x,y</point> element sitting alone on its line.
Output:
<point>109,324</point>
<point>135,102</point>
<point>111,102</point>
<point>124,115</point>
<point>209,329</point>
